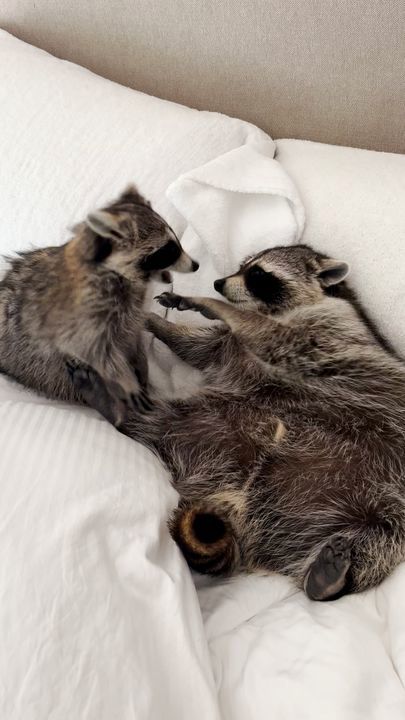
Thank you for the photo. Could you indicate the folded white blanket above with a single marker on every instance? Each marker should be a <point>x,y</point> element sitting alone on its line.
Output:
<point>236,205</point>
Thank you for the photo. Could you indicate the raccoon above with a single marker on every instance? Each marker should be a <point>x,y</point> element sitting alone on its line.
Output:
<point>291,457</point>
<point>79,306</point>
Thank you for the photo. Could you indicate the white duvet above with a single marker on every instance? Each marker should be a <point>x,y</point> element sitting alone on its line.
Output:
<point>99,615</point>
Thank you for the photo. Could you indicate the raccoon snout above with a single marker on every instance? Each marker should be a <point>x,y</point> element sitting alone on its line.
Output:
<point>185,264</point>
<point>219,285</point>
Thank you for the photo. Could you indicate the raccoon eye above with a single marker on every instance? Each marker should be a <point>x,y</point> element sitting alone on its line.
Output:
<point>256,270</point>
<point>266,286</point>
<point>162,258</point>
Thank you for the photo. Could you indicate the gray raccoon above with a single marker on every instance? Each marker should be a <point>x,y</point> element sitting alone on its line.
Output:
<point>80,305</point>
<point>291,458</point>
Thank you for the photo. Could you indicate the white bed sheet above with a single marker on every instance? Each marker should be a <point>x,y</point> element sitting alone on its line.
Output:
<point>98,615</point>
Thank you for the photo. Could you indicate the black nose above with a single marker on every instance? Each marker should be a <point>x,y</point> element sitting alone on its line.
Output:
<point>219,285</point>
<point>194,265</point>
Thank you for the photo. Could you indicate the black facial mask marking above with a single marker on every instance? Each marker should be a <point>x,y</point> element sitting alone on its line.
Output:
<point>102,248</point>
<point>162,258</point>
<point>265,286</point>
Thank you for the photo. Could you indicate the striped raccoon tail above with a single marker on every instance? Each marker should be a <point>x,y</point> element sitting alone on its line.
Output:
<point>206,539</point>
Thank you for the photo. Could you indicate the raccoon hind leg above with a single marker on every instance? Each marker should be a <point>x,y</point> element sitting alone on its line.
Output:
<point>327,576</point>
<point>95,393</point>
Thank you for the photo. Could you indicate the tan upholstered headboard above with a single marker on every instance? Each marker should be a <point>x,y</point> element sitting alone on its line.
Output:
<point>327,70</point>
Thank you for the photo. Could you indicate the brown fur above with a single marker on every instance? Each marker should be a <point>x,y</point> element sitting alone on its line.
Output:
<point>296,441</point>
<point>81,303</point>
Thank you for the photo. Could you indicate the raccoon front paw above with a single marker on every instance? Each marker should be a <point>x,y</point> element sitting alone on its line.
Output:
<point>173,301</point>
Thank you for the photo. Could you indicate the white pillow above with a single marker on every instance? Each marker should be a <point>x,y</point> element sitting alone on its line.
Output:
<point>355,209</point>
<point>99,617</point>
<point>71,140</point>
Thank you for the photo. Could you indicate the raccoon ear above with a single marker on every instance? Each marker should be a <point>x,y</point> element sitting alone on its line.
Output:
<point>104,224</point>
<point>131,194</point>
<point>332,272</point>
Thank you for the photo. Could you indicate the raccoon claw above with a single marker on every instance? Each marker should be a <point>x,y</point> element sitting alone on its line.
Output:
<point>173,301</point>
<point>326,578</point>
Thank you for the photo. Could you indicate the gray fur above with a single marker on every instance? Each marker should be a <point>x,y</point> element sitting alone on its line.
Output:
<point>296,440</point>
<point>80,304</point>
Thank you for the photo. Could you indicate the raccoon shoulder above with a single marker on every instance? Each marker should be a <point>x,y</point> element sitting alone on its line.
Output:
<point>345,292</point>
<point>333,319</point>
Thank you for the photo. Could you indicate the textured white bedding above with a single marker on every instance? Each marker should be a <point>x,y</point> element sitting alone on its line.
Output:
<point>98,614</point>
<point>99,618</point>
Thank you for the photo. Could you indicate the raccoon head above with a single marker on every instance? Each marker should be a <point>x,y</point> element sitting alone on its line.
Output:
<point>128,236</point>
<point>283,278</point>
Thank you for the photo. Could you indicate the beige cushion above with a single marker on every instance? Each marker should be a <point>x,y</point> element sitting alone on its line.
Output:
<point>326,70</point>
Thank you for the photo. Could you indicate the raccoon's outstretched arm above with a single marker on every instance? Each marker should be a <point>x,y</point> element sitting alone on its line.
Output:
<point>253,329</point>
<point>232,316</point>
<point>199,347</point>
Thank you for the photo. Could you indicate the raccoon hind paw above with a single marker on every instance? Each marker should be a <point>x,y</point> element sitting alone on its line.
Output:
<point>327,576</point>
